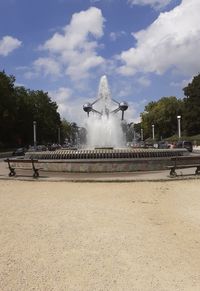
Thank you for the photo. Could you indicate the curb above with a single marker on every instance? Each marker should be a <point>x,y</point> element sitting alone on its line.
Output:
<point>5,155</point>
<point>114,180</point>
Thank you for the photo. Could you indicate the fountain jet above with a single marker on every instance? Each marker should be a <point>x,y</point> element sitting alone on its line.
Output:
<point>104,97</point>
<point>104,129</point>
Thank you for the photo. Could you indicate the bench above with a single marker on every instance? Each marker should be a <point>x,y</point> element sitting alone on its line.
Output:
<point>13,167</point>
<point>182,162</point>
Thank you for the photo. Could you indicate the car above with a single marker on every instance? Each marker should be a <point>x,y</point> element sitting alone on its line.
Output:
<point>38,148</point>
<point>185,144</point>
<point>19,152</point>
<point>149,145</point>
<point>163,145</point>
<point>41,148</point>
<point>31,149</point>
<point>54,146</point>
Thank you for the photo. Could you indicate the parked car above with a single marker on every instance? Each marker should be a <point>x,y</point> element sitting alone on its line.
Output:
<point>185,144</point>
<point>163,145</point>
<point>54,146</point>
<point>149,145</point>
<point>31,149</point>
<point>41,148</point>
<point>19,152</point>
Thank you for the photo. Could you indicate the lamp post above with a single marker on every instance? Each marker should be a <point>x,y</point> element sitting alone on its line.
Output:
<point>134,132</point>
<point>34,134</point>
<point>153,132</point>
<point>59,135</point>
<point>142,134</point>
<point>179,126</point>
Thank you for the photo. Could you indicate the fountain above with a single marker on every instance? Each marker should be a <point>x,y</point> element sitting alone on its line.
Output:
<point>104,129</point>
<point>105,149</point>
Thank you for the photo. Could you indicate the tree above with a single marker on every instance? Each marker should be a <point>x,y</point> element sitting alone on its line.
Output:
<point>163,114</point>
<point>19,107</point>
<point>74,132</point>
<point>7,108</point>
<point>24,116</point>
<point>65,129</point>
<point>191,114</point>
<point>36,106</point>
<point>71,132</point>
<point>133,131</point>
<point>46,115</point>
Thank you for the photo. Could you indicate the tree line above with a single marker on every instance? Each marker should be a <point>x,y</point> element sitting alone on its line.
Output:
<point>163,114</point>
<point>19,107</point>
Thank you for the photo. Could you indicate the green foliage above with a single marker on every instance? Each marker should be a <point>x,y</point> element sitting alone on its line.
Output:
<point>7,107</point>
<point>133,131</point>
<point>69,131</point>
<point>19,107</point>
<point>163,114</point>
<point>191,114</point>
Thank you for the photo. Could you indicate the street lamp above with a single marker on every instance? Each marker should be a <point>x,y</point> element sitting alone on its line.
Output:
<point>59,135</point>
<point>153,133</point>
<point>142,134</point>
<point>179,126</point>
<point>133,132</point>
<point>34,134</point>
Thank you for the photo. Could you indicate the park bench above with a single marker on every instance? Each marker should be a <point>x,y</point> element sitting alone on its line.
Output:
<point>182,162</point>
<point>14,164</point>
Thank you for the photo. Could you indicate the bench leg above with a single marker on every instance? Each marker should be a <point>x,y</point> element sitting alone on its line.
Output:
<point>197,172</point>
<point>36,173</point>
<point>173,172</point>
<point>12,172</point>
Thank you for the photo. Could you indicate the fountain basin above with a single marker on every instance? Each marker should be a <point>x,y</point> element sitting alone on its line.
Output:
<point>106,160</point>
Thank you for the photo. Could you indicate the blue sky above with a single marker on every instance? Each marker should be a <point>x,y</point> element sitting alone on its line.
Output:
<point>147,48</point>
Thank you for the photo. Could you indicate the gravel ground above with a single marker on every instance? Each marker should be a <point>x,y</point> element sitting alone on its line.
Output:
<point>100,236</point>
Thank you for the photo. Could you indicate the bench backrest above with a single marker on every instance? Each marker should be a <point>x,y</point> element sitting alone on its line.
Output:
<point>21,160</point>
<point>186,160</point>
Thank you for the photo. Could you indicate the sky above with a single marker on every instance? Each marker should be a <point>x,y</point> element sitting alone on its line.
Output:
<point>148,49</point>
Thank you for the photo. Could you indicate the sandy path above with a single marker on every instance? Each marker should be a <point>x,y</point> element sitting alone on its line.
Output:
<point>100,236</point>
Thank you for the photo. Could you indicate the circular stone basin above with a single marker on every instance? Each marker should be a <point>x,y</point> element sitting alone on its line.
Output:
<point>106,159</point>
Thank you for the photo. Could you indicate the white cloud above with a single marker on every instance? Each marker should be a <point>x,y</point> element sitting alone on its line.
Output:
<point>76,48</point>
<point>73,111</point>
<point>144,81</point>
<point>8,44</point>
<point>171,42</point>
<point>62,96</point>
<point>156,4</point>
<point>132,114</point>
<point>181,84</point>
<point>47,66</point>
<point>69,107</point>
<point>116,35</point>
